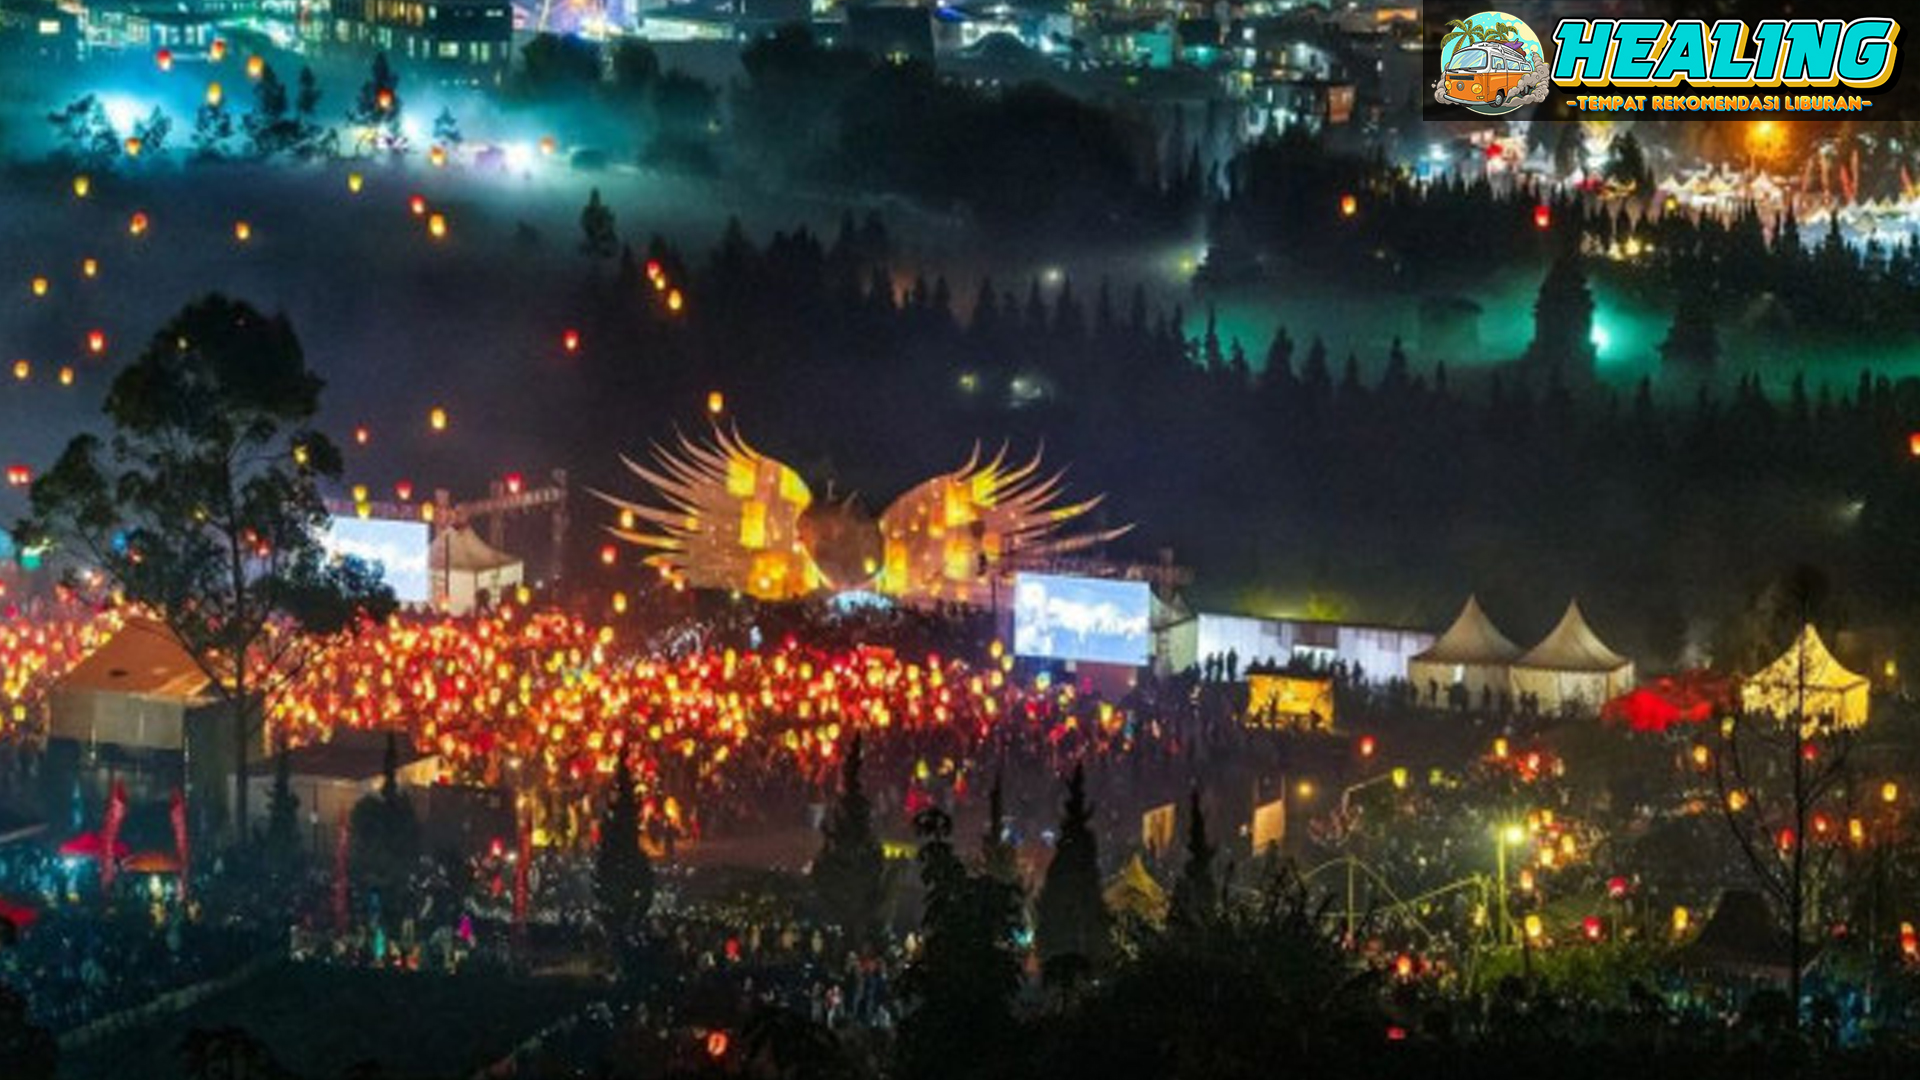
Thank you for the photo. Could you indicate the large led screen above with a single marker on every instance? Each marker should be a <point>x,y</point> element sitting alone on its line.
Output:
<point>399,548</point>
<point>1086,619</point>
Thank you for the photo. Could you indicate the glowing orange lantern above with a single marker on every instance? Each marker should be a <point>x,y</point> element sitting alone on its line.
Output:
<point>437,419</point>
<point>19,476</point>
<point>218,50</point>
<point>90,267</point>
<point>362,436</point>
<point>404,491</point>
<point>608,555</point>
<point>1349,205</point>
<point>82,184</point>
<point>716,402</point>
<point>570,341</point>
<point>1913,444</point>
<point>40,286</point>
<point>384,100</point>
<point>418,204</point>
<point>1785,839</point>
<point>163,59</point>
<point>675,301</point>
<point>1367,746</point>
<point>716,1044</point>
<point>66,376</point>
<point>22,370</point>
<point>1543,216</point>
<point>437,226</point>
<point>132,146</point>
<point>256,66</point>
<point>514,483</point>
<point>215,94</point>
<point>242,231</point>
<point>137,224</point>
<point>548,145</point>
<point>1889,792</point>
<point>96,341</point>
<point>437,157</point>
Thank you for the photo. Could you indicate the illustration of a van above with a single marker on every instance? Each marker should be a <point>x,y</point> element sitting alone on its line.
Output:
<point>1486,73</point>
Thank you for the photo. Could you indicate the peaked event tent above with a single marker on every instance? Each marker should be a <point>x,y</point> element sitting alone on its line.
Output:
<point>465,568</point>
<point>1832,691</point>
<point>1472,653</point>
<point>1572,669</point>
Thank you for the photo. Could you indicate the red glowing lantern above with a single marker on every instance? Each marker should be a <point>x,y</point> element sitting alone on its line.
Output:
<point>362,436</point>
<point>1617,888</point>
<point>218,50</point>
<point>19,476</point>
<point>654,270</point>
<point>96,341</point>
<point>514,483</point>
<point>404,490</point>
<point>385,100</point>
<point>1592,927</point>
<point>717,1044</point>
<point>1913,444</point>
<point>1367,746</point>
<point>1543,216</point>
<point>1785,840</point>
<point>570,341</point>
<point>163,59</point>
<point>256,66</point>
<point>1396,1033</point>
<point>608,555</point>
<point>137,224</point>
<point>1349,205</point>
<point>1403,966</point>
<point>418,204</point>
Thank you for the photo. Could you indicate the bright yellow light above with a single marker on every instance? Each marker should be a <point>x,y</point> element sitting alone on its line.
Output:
<point>1400,777</point>
<point>1514,835</point>
<point>1304,789</point>
<point>1534,927</point>
<point>716,402</point>
<point>437,419</point>
<point>82,185</point>
<point>215,94</point>
<point>242,231</point>
<point>1889,792</point>
<point>437,226</point>
<point>1682,918</point>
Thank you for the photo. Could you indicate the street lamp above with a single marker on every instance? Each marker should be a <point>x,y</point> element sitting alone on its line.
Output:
<point>1510,835</point>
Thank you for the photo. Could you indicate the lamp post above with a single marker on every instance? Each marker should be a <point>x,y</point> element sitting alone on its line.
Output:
<point>1508,835</point>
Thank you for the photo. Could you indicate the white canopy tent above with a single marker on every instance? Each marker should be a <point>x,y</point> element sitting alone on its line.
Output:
<point>1808,681</point>
<point>1572,670</point>
<point>1473,653</point>
<point>465,568</point>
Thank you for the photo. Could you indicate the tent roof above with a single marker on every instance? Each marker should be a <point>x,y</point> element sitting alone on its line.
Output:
<point>351,755</point>
<point>1134,891</point>
<point>1472,639</point>
<point>1822,671</point>
<point>1742,934</point>
<point>470,553</point>
<point>1572,646</point>
<point>143,658</point>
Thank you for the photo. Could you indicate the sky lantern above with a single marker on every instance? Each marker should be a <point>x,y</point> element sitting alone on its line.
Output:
<point>1682,918</point>
<point>1367,746</point>
<point>40,286</point>
<point>96,341</point>
<point>242,231</point>
<point>362,436</point>
<point>1349,205</point>
<point>437,156</point>
<point>1542,216</point>
<point>418,205</point>
<point>1913,444</point>
<point>384,100</point>
<point>716,1044</point>
<point>437,226</point>
<point>426,512</point>
<point>137,224</point>
<point>19,476</point>
<point>548,145</point>
<point>82,186</point>
<point>163,59</point>
<point>619,603</point>
<point>132,146</point>
<point>1592,927</point>
<point>355,182</point>
<point>66,376</point>
<point>716,402</point>
<point>609,555</point>
<point>570,341</point>
<point>218,50</point>
<point>654,270</point>
<point>514,483</point>
<point>1889,792</point>
<point>403,491</point>
<point>1534,927</point>
<point>22,370</point>
<point>90,267</point>
<point>1617,888</point>
<point>256,66</point>
<point>437,418</point>
<point>675,301</point>
<point>215,94</point>
<point>359,493</point>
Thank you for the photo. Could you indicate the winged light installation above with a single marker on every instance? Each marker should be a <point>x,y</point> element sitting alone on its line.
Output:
<point>730,517</point>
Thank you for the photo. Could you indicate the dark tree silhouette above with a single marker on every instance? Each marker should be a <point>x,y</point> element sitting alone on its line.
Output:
<point>961,985</point>
<point>1196,895</point>
<point>849,874</point>
<point>385,837</point>
<point>622,873</point>
<point>1073,920</point>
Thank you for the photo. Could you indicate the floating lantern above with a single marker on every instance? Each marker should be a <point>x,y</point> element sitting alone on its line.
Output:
<point>619,603</point>
<point>437,157</point>
<point>1890,792</point>
<point>654,270</point>
<point>1913,444</point>
<point>570,341</point>
<point>1592,927</point>
<point>1682,918</point>
<point>1367,746</point>
<point>608,555</point>
<point>256,66</point>
<point>437,419</point>
<point>96,342</point>
<point>215,94</point>
<point>1617,888</point>
<point>426,512</point>
<point>384,100</point>
<point>403,490</point>
<point>437,226</point>
<point>418,204</point>
<point>19,476</point>
<point>548,145</point>
<point>355,182</point>
<point>716,402</point>
<point>137,224</point>
<point>675,301</point>
<point>82,185</point>
<point>514,483</point>
<point>242,231</point>
<point>716,1044</point>
<point>66,376</point>
<point>1349,205</point>
<point>218,50</point>
<point>22,370</point>
<point>132,146</point>
<point>301,455</point>
<point>40,286</point>
<point>359,493</point>
<point>90,268</point>
<point>1534,927</point>
<point>163,59</point>
<point>361,436</point>
<point>1543,216</point>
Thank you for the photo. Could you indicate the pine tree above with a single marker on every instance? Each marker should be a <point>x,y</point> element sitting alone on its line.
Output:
<point>1196,895</point>
<point>997,857</point>
<point>1563,323</point>
<point>446,129</point>
<point>622,873</point>
<point>849,874</point>
<point>961,985</point>
<point>598,240</point>
<point>1692,340</point>
<point>1073,919</point>
<point>385,835</point>
<point>283,817</point>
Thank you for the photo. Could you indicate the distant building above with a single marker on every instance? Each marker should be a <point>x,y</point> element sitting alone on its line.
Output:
<point>1378,653</point>
<point>329,778</point>
<point>37,32</point>
<point>460,42</point>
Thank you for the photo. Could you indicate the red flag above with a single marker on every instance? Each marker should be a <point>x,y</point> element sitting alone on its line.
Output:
<point>110,834</point>
<point>182,849</point>
<point>340,874</point>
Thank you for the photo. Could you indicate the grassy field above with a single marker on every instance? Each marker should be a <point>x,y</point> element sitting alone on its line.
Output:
<point>320,1022</point>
